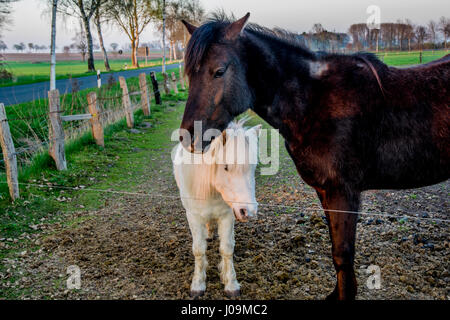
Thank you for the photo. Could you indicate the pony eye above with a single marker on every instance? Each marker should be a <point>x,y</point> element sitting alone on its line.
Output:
<point>219,73</point>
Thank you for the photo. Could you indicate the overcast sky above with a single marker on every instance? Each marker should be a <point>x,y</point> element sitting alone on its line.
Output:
<point>31,25</point>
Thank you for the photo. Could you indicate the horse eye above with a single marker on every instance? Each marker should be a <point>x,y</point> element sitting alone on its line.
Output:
<point>226,167</point>
<point>219,73</point>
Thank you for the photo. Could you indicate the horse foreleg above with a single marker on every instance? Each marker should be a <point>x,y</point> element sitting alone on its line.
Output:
<point>199,232</point>
<point>342,227</point>
<point>227,272</point>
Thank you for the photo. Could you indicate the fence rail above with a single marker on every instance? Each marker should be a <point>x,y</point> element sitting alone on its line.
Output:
<point>56,134</point>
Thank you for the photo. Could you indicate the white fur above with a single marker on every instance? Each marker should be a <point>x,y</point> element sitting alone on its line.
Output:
<point>317,69</point>
<point>209,194</point>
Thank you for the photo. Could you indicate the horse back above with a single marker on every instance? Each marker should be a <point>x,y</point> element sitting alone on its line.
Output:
<point>354,133</point>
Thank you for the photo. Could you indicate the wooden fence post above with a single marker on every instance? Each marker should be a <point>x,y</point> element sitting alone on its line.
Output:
<point>166,83</point>
<point>145,99</point>
<point>97,128</point>
<point>155,87</point>
<point>9,155</point>
<point>56,131</point>
<point>181,78</point>
<point>126,102</point>
<point>174,83</point>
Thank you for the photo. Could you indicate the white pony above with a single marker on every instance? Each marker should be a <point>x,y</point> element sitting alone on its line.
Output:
<point>220,189</point>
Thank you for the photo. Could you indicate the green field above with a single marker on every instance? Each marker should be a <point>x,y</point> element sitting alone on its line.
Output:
<point>405,58</point>
<point>31,72</point>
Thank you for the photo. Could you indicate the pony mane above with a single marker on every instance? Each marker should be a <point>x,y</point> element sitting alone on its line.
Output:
<point>212,32</point>
<point>202,175</point>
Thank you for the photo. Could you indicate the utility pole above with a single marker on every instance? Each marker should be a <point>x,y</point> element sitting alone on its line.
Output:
<point>52,48</point>
<point>164,36</point>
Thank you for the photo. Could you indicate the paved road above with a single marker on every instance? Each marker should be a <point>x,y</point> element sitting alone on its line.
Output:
<point>29,92</point>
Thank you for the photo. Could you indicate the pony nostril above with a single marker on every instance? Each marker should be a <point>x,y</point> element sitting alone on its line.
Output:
<point>181,138</point>
<point>243,212</point>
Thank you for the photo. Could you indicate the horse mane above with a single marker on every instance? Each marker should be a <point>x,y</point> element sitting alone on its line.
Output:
<point>212,31</point>
<point>201,176</point>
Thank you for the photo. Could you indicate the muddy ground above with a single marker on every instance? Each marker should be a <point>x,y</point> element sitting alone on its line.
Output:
<point>139,247</point>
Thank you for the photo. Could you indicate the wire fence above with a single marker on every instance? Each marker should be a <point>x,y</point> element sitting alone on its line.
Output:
<point>413,215</point>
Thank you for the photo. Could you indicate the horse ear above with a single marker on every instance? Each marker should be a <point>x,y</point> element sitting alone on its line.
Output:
<point>190,28</point>
<point>235,29</point>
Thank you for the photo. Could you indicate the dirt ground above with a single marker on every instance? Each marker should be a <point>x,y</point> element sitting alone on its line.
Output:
<point>139,247</point>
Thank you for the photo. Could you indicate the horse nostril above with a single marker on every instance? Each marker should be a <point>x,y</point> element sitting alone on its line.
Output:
<point>243,212</point>
<point>181,138</point>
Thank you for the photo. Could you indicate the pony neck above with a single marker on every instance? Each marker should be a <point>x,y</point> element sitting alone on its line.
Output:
<point>278,75</point>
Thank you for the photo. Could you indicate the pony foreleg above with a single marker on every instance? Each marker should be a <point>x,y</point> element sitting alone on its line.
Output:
<point>227,272</point>
<point>342,227</point>
<point>198,230</point>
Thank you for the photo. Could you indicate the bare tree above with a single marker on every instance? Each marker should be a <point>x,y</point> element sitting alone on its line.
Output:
<point>99,14</point>
<point>432,31</point>
<point>80,43</point>
<point>132,16</point>
<point>421,35</point>
<point>444,27</point>
<point>85,10</point>
<point>114,46</point>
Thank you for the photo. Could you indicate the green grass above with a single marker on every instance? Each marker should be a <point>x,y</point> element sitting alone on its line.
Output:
<point>27,72</point>
<point>36,129</point>
<point>403,58</point>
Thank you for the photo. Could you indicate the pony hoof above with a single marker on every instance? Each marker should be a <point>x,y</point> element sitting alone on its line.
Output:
<point>233,293</point>
<point>197,293</point>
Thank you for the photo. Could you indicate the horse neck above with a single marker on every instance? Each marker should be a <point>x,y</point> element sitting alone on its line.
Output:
<point>278,75</point>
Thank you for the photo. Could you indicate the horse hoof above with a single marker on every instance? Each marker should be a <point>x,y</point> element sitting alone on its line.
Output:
<point>197,293</point>
<point>233,293</point>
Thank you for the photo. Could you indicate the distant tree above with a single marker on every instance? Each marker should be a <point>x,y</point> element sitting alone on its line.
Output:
<point>3,46</point>
<point>17,47</point>
<point>421,35</point>
<point>432,31</point>
<point>132,16</point>
<point>114,46</point>
<point>66,50</point>
<point>30,46</point>
<point>80,43</point>
<point>444,27</point>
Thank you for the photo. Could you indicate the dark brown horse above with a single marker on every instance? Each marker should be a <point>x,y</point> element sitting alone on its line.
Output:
<point>350,122</point>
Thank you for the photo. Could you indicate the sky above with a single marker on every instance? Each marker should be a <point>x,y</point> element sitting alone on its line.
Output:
<point>31,24</point>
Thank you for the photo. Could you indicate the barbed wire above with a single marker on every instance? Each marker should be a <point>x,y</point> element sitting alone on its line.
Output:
<point>141,194</point>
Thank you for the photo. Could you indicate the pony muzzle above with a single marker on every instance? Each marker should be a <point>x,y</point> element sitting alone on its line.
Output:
<point>243,213</point>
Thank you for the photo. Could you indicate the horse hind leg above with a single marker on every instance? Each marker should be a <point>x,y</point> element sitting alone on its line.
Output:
<point>226,266</point>
<point>342,228</point>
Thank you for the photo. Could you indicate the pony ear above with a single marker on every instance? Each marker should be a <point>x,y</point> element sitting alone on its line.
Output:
<point>235,29</point>
<point>257,129</point>
<point>190,28</point>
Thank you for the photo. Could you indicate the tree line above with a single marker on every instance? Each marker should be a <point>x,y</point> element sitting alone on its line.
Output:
<point>401,35</point>
<point>131,17</point>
